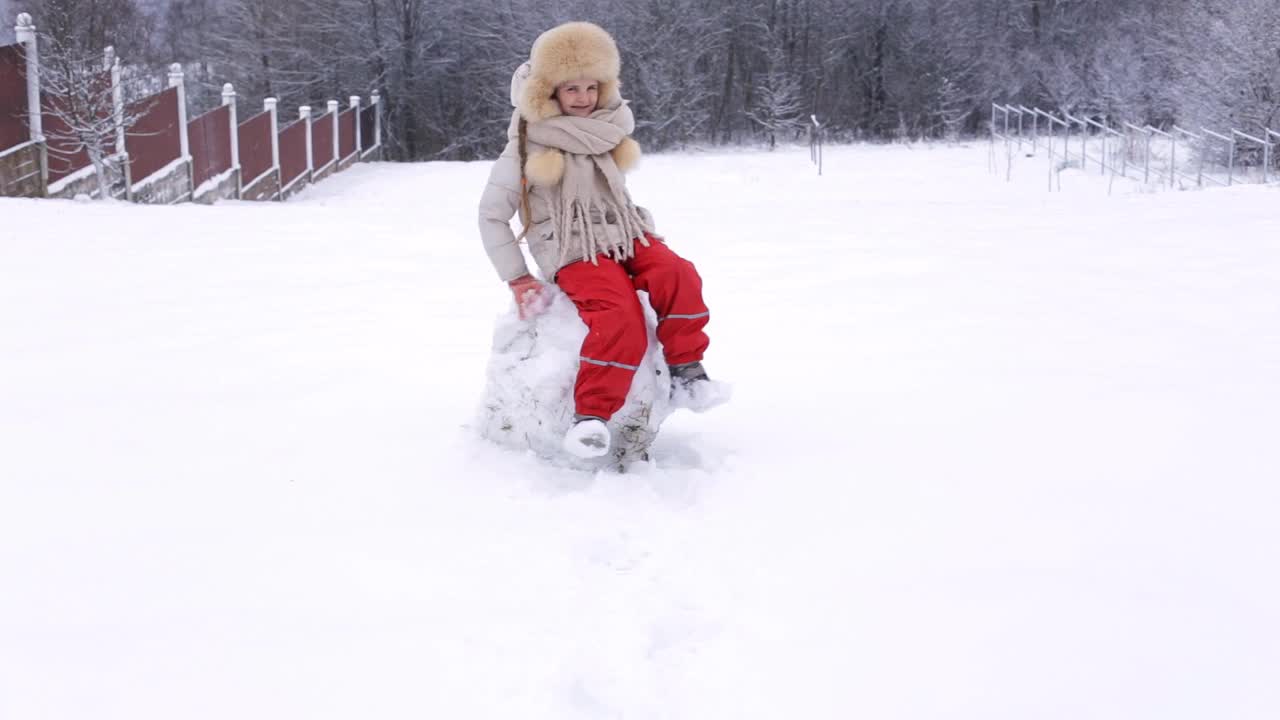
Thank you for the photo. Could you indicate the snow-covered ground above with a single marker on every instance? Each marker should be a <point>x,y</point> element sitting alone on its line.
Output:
<point>993,453</point>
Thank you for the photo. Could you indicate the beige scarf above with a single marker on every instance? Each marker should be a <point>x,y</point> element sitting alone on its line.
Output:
<point>586,143</point>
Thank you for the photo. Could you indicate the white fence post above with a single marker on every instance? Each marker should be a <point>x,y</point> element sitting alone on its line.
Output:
<point>112,63</point>
<point>229,99</point>
<point>333,113</point>
<point>355,105</point>
<point>25,30</point>
<point>377,119</point>
<point>304,114</point>
<point>176,80</point>
<point>26,33</point>
<point>269,105</point>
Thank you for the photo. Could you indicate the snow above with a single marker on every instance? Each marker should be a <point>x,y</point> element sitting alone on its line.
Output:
<point>57,185</point>
<point>160,174</point>
<point>993,452</point>
<point>213,182</point>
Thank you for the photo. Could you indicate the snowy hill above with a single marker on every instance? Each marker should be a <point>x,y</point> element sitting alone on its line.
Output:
<point>993,453</point>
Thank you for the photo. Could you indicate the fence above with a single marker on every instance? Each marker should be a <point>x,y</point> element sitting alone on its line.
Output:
<point>1173,157</point>
<point>322,152</point>
<point>13,97</point>
<point>816,133</point>
<point>210,136</point>
<point>157,155</point>
<point>293,154</point>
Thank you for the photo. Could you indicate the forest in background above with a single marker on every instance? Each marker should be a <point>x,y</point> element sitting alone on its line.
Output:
<point>708,72</point>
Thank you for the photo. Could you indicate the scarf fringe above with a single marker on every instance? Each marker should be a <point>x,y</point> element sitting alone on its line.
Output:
<point>574,222</point>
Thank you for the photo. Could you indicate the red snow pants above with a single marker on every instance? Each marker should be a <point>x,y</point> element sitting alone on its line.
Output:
<point>617,338</point>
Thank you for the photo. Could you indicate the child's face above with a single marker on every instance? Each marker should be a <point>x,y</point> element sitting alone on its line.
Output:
<point>578,97</point>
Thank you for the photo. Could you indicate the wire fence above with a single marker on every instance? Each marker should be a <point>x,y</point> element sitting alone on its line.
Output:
<point>1172,157</point>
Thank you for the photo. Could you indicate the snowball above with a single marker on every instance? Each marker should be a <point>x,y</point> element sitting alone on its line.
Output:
<point>528,401</point>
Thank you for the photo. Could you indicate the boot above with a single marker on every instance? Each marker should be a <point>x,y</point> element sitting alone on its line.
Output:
<point>691,388</point>
<point>588,437</point>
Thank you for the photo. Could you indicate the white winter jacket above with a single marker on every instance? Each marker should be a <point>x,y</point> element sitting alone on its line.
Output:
<point>500,201</point>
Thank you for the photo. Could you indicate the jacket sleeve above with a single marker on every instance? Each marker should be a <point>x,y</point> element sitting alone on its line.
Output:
<point>498,204</point>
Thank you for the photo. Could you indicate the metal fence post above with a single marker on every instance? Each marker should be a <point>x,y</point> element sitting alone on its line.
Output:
<point>377,119</point>
<point>1050,143</point>
<point>816,142</point>
<point>1231,162</point>
<point>1270,134</point>
<point>1204,151</point>
<point>1035,127</point>
<point>1084,147</point>
<point>304,114</point>
<point>229,99</point>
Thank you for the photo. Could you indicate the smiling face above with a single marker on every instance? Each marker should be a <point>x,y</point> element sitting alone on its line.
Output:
<point>578,97</point>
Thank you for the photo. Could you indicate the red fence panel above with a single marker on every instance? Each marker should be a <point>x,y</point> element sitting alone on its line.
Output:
<point>210,138</point>
<point>65,155</point>
<point>322,140</point>
<point>347,133</point>
<point>155,140</point>
<point>13,97</point>
<point>368,123</point>
<point>255,147</point>
<point>293,152</point>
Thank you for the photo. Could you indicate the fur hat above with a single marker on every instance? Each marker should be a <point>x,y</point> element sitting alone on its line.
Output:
<point>568,52</point>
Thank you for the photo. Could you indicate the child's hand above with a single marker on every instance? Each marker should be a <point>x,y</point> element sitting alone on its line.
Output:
<point>529,295</point>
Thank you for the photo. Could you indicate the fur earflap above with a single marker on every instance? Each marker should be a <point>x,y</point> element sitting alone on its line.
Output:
<point>626,154</point>
<point>568,52</point>
<point>545,167</point>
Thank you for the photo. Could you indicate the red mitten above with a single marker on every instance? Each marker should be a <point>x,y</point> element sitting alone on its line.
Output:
<point>528,293</point>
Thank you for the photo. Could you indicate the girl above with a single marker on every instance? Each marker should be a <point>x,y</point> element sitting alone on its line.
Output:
<point>562,171</point>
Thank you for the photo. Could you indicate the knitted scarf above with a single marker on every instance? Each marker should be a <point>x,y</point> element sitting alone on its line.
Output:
<point>577,200</point>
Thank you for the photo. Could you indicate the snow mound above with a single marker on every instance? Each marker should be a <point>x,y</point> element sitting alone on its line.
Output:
<point>528,400</point>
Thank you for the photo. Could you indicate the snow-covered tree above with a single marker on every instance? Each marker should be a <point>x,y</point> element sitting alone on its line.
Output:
<point>777,107</point>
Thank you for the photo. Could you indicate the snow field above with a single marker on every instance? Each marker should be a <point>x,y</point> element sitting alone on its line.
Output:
<point>992,453</point>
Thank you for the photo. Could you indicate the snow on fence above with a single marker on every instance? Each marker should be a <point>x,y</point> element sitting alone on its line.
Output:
<point>166,158</point>
<point>1176,156</point>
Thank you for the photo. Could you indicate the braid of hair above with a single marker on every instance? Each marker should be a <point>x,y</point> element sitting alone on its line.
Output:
<point>526,215</point>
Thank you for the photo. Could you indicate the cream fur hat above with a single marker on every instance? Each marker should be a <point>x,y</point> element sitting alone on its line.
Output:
<point>568,52</point>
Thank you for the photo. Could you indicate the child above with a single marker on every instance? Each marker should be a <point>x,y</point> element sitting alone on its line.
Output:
<point>562,170</point>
